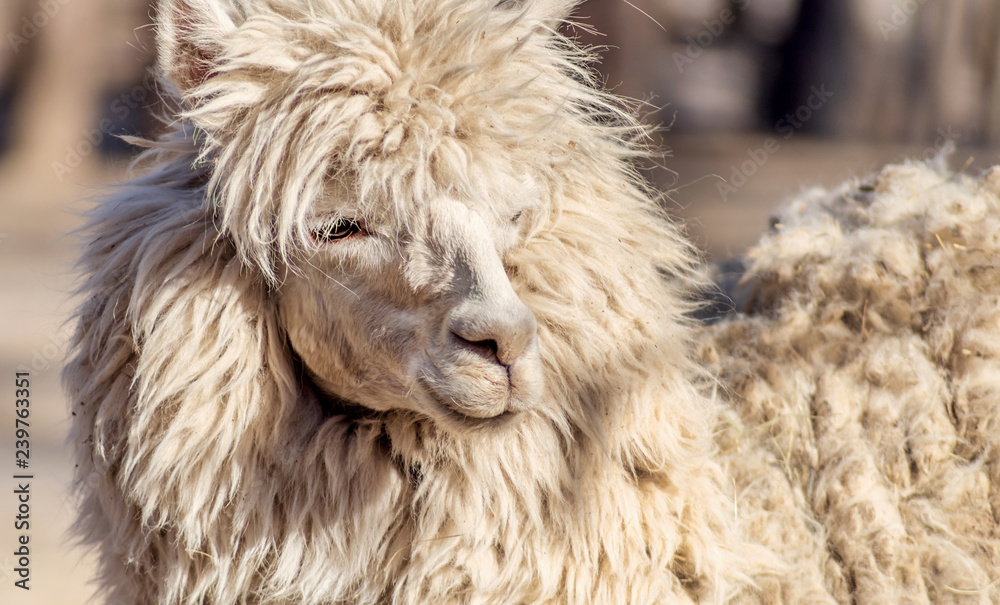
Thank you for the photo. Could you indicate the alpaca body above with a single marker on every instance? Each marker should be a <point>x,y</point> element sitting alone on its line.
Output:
<point>862,368</point>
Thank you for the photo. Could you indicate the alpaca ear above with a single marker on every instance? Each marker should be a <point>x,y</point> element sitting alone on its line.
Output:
<point>190,35</point>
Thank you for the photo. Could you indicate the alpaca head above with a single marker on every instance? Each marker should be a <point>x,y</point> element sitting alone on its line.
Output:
<point>369,161</point>
<point>416,314</point>
<point>403,176</point>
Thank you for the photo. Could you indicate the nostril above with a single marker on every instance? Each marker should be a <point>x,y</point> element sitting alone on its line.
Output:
<point>490,345</point>
<point>486,348</point>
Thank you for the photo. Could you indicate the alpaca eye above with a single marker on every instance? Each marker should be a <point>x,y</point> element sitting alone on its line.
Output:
<point>338,230</point>
<point>515,218</point>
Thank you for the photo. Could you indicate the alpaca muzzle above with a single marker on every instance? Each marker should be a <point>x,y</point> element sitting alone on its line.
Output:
<point>487,364</point>
<point>488,369</point>
<point>487,349</point>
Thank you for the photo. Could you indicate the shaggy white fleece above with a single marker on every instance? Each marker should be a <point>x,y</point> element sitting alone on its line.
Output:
<point>226,456</point>
<point>217,466</point>
<point>864,380</point>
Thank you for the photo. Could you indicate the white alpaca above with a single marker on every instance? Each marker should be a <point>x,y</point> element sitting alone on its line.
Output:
<point>387,321</point>
<point>390,319</point>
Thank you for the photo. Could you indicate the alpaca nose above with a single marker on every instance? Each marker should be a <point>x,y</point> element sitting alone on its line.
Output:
<point>500,330</point>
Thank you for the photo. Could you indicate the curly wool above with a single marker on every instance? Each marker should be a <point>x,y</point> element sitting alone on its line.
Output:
<point>862,375</point>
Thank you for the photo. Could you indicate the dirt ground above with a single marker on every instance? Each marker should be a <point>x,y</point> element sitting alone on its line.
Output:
<point>38,212</point>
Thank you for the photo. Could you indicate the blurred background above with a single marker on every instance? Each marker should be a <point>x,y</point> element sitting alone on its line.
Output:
<point>759,99</point>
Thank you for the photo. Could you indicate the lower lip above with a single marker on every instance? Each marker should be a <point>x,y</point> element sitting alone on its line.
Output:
<point>457,414</point>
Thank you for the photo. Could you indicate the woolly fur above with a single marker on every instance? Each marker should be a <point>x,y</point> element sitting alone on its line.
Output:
<point>210,470</point>
<point>851,454</point>
<point>864,384</point>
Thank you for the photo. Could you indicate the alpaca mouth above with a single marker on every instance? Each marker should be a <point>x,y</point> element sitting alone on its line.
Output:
<point>479,410</point>
<point>471,401</point>
<point>471,392</point>
<point>457,415</point>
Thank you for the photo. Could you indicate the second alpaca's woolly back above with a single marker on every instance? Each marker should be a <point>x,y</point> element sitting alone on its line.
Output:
<point>863,371</point>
